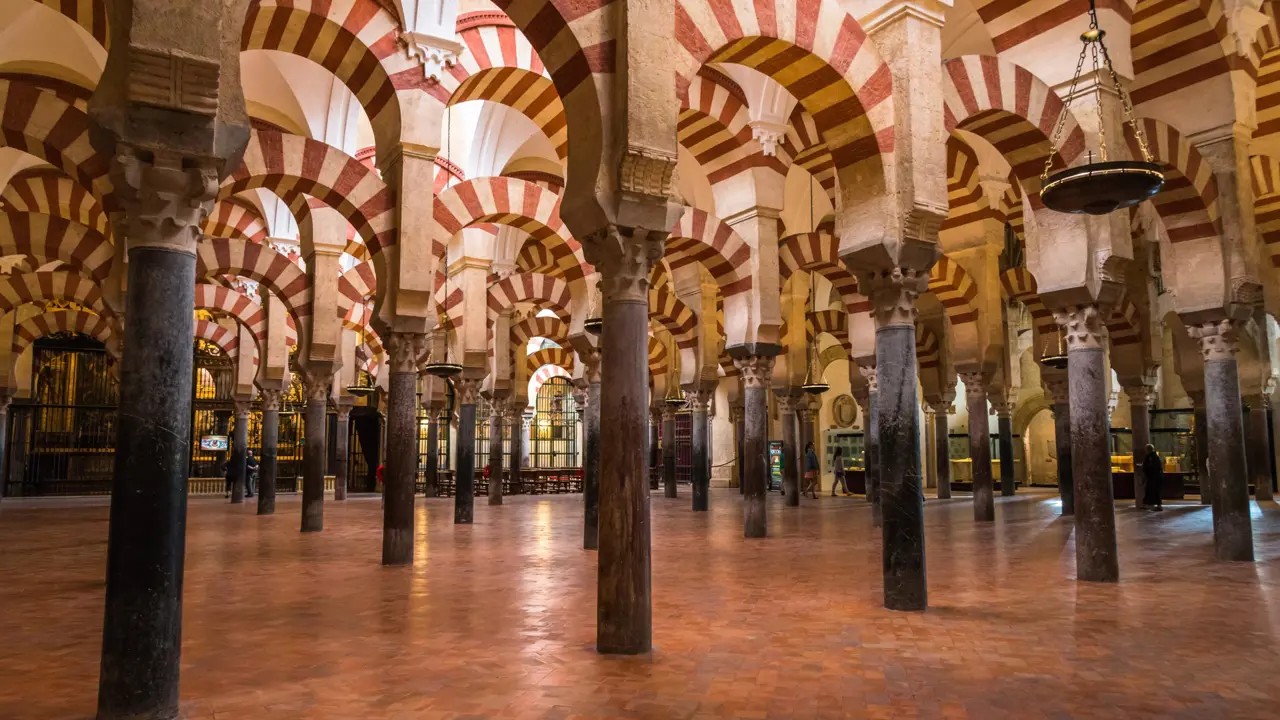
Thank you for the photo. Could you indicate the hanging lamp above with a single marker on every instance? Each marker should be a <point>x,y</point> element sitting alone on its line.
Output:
<point>1098,188</point>
<point>813,383</point>
<point>674,398</point>
<point>594,323</point>
<point>366,387</point>
<point>1056,358</point>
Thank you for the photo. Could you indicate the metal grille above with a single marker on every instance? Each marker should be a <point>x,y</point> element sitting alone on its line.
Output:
<point>553,433</point>
<point>684,447</point>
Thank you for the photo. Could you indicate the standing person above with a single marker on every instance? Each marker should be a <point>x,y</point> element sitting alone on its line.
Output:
<point>250,473</point>
<point>1153,470</point>
<point>810,471</point>
<point>837,469</point>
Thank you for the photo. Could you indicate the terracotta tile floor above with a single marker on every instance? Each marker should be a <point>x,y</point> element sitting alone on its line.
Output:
<point>497,620</point>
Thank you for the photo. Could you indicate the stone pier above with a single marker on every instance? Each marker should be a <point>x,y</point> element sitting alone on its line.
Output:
<point>317,388</point>
<point>668,451</point>
<point>699,400</point>
<point>975,393</point>
<point>756,364</point>
<point>341,434</point>
<point>591,454</point>
<point>267,461</point>
<point>400,472</point>
<point>466,391</point>
<point>786,400</point>
<point>239,451</point>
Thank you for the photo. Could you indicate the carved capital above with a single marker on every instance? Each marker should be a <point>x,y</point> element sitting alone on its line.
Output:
<point>580,399</point>
<point>590,365</point>
<point>893,295</point>
<point>1141,396</point>
<point>1003,407</point>
<point>1218,340</point>
<point>668,413</point>
<point>270,400</point>
<point>755,369</point>
<point>768,134</point>
<point>404,349</point>
<point>317,387</point>
<point>786,402</point>
<point>644,171</point>
<point>737,413</point>
<point>433,53</point>
<point>698,400</point>
<point>467,390</point>
<point>1057,390</point>
<point>974,382</point>
<point>166,197</point>
<point>344,413</point>
<point>941,406</point>
<point>515,411</point>
<point>1081,325</point>
<point>868,373</point>
<point>242,408</point>
<point>624,257</point>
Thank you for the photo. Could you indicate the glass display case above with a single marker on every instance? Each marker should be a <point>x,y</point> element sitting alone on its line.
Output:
<point>962,463</point>
<point>1173,435</point>
<point>852,446</point>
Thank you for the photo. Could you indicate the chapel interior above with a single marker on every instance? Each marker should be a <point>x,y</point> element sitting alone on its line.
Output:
<point>462,359</point>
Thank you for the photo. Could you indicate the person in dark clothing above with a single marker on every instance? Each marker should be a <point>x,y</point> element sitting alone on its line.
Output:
<point>1153,472</point>
<point>810,472</point>
<point>837,469</point>
<point>250,473</point>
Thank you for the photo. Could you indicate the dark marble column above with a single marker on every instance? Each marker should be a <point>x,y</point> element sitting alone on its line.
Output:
<point>624,609</point>
<point>930,447</point>
<point>871,442</point>
<point>432,470</point>
<point>1060,397</point>
<point>5,399</point>
<point>317,385</point>
<point>701,431</point>
<point>497,408</point>
<point>1259,445</point>
<point>655,448</point>
<point>167,198</point>
<point>239,452</point>
<point>1096,556</point>
<point>1004,426</point>
<point>1201,433</point>
<point>222,426</point>
<point>515,416</point>
<point>1232,528</point>
<point>808,433</point>
<point>738,416</point>
<point>786,399</point>
<point>893,297</point>
<point>669,451</point>
<point>267,461</point>
<point>942,449</point>
<point>341,435</point>
<point>466,391</point>
<point>975,393</point>
<point>400,469</point>
<point>1140,399</point>
<point>756,370</point>
<point>591,458</point>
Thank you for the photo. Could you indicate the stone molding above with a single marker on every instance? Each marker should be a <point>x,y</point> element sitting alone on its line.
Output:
<point>165,200</point>
<point>644,171</point>
<point>755,369</point>
<point>624,257</point>
<point>435,54</point>
<point>1082,326</point>
<point>786,402</point>
<point>404,349</point>
<point>1219,340</point>
<point>893,296</point>
<point>941,406</point>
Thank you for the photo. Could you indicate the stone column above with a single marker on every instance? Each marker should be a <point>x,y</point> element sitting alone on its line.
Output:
<point>591,454</point>
<point>871,441</point>
<point>497,408</point>
<point>222,426</point>
<point>1096,556</point>
<point>1232,528</point>
<point>341,434</point>
<point>1259,445</point>
<point>893,296</point>
<point>432,469</point>
<point>466,390</point>
<point>400,471</point>
<point>805,414</point>
<point>655,449</point>
<point>515,415</point>
<point>624,610</point>
<point>984,501</point>
<point>942,447</point>
<point>267,463</point>
<point>1140,399</point>
<point>317,389</point>
<point>669,451</point>
<point>756,370</point>
<point>239,452</point>
<point>1201,433</point>
<point>790,472</point>
<point>1004,426</point>
<point>166,198</point>
<point>930,446</point>
<point>5,399</point>
<point>1058,393</point>
<point>701,432</point>
<point>738,416</point>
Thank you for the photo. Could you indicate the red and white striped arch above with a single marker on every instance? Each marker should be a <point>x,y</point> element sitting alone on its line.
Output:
<point>1176,44</point>
<point>61,321</point>
<point>1188,201</point>
<point>832,322</point>
<point>233,303</point>
<point>226,341</point>
<point>356,286</point>
<point>40,123</point>
<point>713,127</point>
<point>928,349</point>
<point>805,148</point>
<point>236,218</point>
<point>224,256</point>
<point>955,290</point>
<point>1011,109</point>
<point>50,191</point>
<point>1019,284</point>
<point>553,329</point>
<point>966,201</point>
<point>657,356</point>
<point>671,313</point>
<point>543,374</point>
<point>44,238</point>
<point>815,50</point>
<point>818,252</point>
<point>559,357</point>
<point>529,94</point>
<point>543,291</point>
<point>41,287</point>
<point>1266,204</point>
<point>700,237</point>
<point>518,204</point>
<point>287,164</point>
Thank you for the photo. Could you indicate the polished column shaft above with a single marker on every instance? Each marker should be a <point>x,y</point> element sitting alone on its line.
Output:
<point>432,470</point>
<point>790,465</point>
<point>516,418</point>
<point>341,434</point>
<point>700,432</point>
<point>466,390</point>
<point>1004,426</point>
<point>984,501</point>
<point>1140,399</point>
<point>1259,444</point>
<point>400,471</point>
<point>669,451</point>
<point>591,467</point>
<point>496,409</point>
<point>755,374</point>
<point>239,452</point>
<point>942,450</point>
<point>267,461</point>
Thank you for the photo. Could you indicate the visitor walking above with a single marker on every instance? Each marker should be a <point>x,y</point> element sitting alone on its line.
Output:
<point>810,471</point>
<point>1153,473</point>
<point>250,473</point>
<point>837,469</point>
